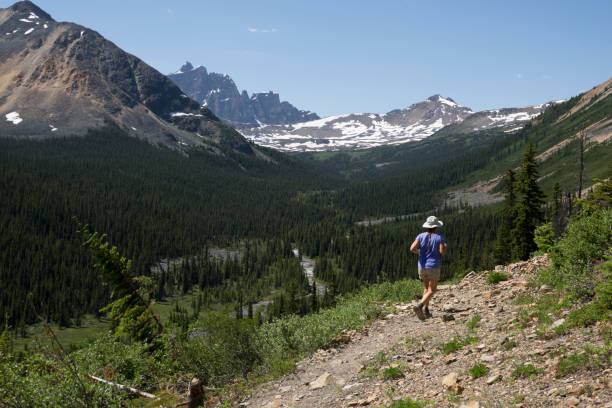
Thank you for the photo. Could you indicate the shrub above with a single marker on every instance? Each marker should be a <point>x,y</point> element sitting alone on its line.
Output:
<point>473,323</point>
<point>407,403</point>
<point>495,277</point>
<point>478,370</point>
<point>392,373</point>
<point>451,346</point>
<point>573,258</point>
<point>592,357</point>
<point>525,371</point>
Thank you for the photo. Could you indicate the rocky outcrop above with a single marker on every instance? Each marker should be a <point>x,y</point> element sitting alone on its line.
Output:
<point>219,93</point>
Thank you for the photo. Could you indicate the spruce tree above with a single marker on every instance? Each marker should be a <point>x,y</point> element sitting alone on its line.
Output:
<point>528,206</point>
<point>503,248</point>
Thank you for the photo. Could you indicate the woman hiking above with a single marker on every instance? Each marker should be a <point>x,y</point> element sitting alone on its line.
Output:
<point>429,246</point>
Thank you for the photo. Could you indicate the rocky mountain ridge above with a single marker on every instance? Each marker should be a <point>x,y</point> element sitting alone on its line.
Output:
<point>366,130</point>
<point>219,93</point>
<point>60,79</point>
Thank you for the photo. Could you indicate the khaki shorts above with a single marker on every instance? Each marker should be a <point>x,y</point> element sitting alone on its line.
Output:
<point>429,273</point>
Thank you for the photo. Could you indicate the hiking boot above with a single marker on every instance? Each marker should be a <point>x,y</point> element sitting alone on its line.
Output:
<point>418,310</point>
<point>427,313</point>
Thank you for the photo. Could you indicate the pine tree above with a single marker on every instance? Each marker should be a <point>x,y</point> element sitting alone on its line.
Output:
<point>503,248</point>
<point>528,207</point>
<point>555,211</point>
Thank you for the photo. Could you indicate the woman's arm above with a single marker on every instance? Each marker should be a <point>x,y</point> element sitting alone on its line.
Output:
<point>414,248</point>
<point>442,249</point>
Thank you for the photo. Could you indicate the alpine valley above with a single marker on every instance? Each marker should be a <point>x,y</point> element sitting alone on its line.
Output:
<point>157,231</point>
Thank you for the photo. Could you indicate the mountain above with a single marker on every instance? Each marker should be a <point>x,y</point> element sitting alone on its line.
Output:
<point>367,130</point>
<point>219,93</point>
<point>60,79</point>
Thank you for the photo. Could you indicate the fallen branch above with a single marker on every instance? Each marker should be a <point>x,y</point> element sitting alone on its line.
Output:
<point>124,387</point>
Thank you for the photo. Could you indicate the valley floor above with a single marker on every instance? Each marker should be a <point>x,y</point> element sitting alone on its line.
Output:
<point>399,357</point>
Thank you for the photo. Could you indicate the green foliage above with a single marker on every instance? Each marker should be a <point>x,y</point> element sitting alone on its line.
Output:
<point>407,403</point>
<point>5,339</point>
<point>457,343</point>
<point>218,348</point>
<point>151,201</point>
<point>129,364</point>
<point>587,315</point>
<point>591,357</point>
<point>525,371</point>
<point>35,380</point>
<point>473,323</point>
<point>495,277</point>
<point>600,198</point>
<point>575,256</point>
<point>478,370</point>
<point>392,373</point>
<point>131,311</point>
<point>544,237</point>
<point>503,247</point>
<point>527,209</point>
<point>451,346</point>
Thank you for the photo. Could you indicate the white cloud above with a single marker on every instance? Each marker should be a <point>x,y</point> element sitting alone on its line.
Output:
<point>262,30</point>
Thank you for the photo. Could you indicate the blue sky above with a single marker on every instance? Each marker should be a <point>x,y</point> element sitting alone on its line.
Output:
<point>336,57</point>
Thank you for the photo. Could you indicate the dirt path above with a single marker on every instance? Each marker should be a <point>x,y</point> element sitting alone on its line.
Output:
<point>353,374</point>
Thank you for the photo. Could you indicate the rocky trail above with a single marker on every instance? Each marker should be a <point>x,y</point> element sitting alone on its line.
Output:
<point>474,322</point>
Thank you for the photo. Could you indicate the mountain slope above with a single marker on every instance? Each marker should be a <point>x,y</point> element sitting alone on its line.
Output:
<point>219,93</point>
<point>399,126</point>
<point>60,79</point>
<point>555,135</point>
<point>399,357</point>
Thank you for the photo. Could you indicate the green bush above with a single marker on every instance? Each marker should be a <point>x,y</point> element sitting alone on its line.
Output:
<point>575,256</point>
<point>592,357</point>
<point>478,370</point>
<point>525,371</point>
<point>407,403</point>
<point>473,323</point>
<point>495,277</point>
<point>587,315</point>
<point>451,346</point>
<point>35,380</point>
<point>544,237</point>
<point>392,373</point>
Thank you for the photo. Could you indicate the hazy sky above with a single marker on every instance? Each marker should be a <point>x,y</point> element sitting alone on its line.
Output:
<point>335,57</point>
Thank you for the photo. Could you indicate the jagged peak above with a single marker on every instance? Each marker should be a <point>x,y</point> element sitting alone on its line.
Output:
<point>30,8</point>
<point>187,66</point>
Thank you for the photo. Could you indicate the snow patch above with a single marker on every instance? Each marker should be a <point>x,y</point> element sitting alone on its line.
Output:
<point>46,26</point>
<point>446,101</point>
<point>33,16</point>
<point>25,20</point>
<point>13,117</point>
<point>319,123</point>
<point>133,128</point>
<point>29,31</point>
<point>53,128</point>
<point>179,114</point>
<point>82,32</point>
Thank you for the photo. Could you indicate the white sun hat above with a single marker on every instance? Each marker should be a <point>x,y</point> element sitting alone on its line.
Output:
<point>432,222</point>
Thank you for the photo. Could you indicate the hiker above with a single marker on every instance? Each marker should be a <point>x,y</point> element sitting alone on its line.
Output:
<point>195,395</point>
<point>429,246</point>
